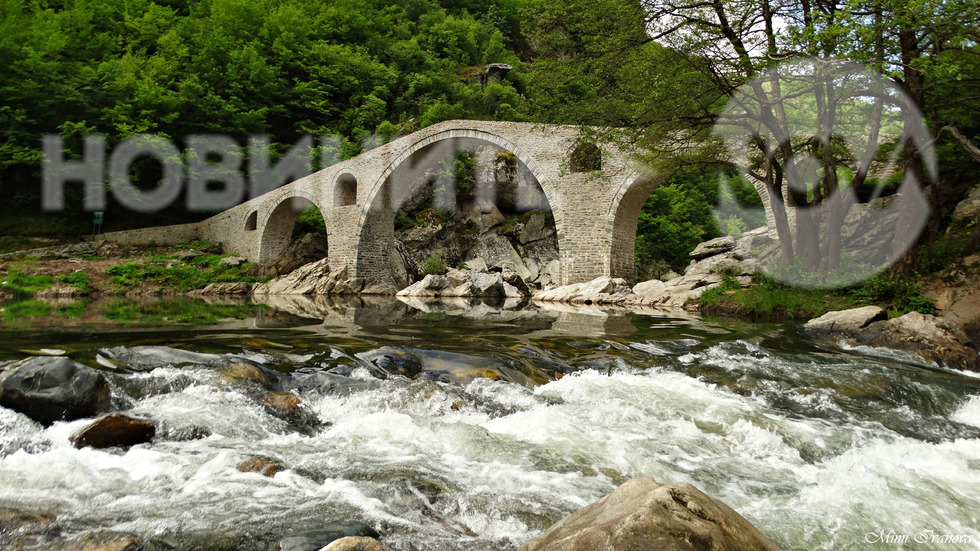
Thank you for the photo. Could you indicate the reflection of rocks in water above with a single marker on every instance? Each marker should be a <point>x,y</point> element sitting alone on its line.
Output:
<point>362,310</point>
<point>470,307</point>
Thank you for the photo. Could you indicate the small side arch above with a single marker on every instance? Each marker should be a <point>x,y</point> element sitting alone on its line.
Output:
<point>252,221</point>
<point>345,190</point>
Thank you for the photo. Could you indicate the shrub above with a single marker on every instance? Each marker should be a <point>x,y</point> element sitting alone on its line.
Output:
<point>435,265</point>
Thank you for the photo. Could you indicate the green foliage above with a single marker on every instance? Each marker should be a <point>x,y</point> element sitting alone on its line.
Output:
<point>23,285</point>
<point>464,171</point>
<point>310,221</point>
<point>79,279</point>
<point>895,294</point>
<point>282,68</point>
<point>773,299</point>
<point>435,265</point>
<point>675,218</point>
<point>733,225</point>
<point>943,252</point>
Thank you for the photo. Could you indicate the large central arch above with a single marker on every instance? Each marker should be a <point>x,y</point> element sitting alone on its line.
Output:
<point>375,223</point>
<point>277,226</point>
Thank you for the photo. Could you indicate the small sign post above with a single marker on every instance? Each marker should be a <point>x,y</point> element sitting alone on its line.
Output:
<point>97,222</point>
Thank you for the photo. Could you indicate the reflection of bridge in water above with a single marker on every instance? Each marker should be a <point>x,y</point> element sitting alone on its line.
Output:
<point>353,315</point>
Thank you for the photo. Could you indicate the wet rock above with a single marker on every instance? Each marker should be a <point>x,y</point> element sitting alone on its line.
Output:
<point>326,534</point>
<point>357,543</point>
<point>934,339</point>
<point>49,389</point>
<point>713,247</point>
<point>262,465</point>
<point>247,372</point>
<point>853,319</point>
<point>282,401</point>
<point>644,515</point>
<point>23,528</point>
<point>114,430</point>
<point>97,541</point>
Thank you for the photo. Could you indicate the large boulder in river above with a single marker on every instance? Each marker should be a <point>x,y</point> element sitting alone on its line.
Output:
<point>49,389</point>
<point>935,339</point>
<point>114,430</point>
<point>644,515</point>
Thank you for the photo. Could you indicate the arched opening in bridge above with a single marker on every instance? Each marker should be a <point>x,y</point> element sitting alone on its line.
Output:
<point>468,203</point>
<point>294,234</point>
<point>345,190</point>
<point>585,156</point>
<point>252,221</point>
<point>657,223</point>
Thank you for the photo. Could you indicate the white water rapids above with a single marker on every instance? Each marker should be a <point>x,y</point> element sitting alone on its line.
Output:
<point>802,445</point>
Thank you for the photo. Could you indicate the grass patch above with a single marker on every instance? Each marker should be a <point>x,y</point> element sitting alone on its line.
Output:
<point>23,285</point>
<point>772,299</point>
<point>167,271</point>
<point>78,279</point>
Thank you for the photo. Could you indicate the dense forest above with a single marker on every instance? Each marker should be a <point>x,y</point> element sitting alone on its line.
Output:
<point>363,70</point>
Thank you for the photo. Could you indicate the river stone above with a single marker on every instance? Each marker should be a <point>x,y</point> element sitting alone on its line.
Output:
<point>644,515</point>
<point>49,389</point>
<point>284,401</point>
<point>357,543</point>
<point>114,430</point>
<point>853,319</point>
<point>715,246</point>
<point>246,372</point>
<point>97,541</point>
<point>262,465</point>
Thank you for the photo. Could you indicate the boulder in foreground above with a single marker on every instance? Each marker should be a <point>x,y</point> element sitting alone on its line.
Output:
<point>49,389</point>
<point>644,515</point>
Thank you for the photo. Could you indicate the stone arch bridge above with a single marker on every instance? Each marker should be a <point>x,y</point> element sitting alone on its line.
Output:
<point>595,207</point>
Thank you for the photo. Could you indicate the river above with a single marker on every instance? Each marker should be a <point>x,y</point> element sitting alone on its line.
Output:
<point>476,429</point>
